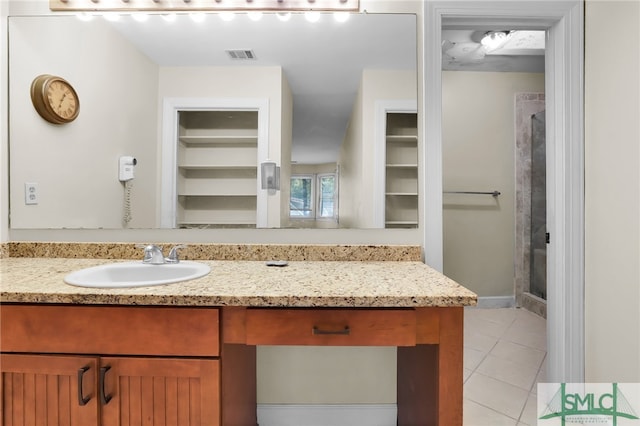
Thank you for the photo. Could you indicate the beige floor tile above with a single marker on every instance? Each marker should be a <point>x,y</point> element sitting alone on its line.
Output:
<point>489,328</point>
<point>473,358</point>
<point>495,394</point>
<point>525,337</point>
<point>479,341</point>
<point>508,371</point>
<point>520,354</point>
<point>529,415</point>
<point>504,316</point>
<point>479,415</point>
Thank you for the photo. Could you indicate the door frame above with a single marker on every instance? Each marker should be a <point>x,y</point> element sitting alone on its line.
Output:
<point>564,91</point>
<point>171,107</point>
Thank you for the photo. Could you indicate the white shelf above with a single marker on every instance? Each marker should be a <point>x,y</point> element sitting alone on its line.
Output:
<point>401,171</point>
<point>236,141</point>
<point>402,138</point>
<point>217,163</point>
<point>402,166</point>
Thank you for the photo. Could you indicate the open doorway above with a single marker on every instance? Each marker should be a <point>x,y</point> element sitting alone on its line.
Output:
<point>563,22</point>
<point>490,90</point>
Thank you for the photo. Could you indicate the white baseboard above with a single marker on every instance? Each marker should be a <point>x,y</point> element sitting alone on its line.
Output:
<point>327,415</point>
<point>496,302</point>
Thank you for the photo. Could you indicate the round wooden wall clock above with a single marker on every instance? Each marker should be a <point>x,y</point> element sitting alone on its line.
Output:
<point>55,99</point>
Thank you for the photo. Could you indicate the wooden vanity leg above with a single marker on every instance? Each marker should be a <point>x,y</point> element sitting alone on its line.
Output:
<point>238,385</point>
<point>238,372</point>
<point>430,376</point>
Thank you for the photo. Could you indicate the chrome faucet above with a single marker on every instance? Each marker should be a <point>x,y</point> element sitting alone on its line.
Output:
<point>153,255</point>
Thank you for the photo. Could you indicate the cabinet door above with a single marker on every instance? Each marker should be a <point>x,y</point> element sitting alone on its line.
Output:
<point>160,392</point>
<point>48,390</point>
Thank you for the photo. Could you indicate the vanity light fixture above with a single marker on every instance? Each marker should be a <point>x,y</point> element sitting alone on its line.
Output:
<point>169,17</point>
<point>493,40</point>
<point>211,5</point>
<point>270,177</point>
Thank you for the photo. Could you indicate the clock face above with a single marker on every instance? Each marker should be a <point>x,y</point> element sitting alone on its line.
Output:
<point>54,99</point>
<point>62,99</point>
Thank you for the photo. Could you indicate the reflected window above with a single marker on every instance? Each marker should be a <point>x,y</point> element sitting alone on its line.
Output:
<point>313,196</point>
<point>326,196</point>
<point>301,198</point>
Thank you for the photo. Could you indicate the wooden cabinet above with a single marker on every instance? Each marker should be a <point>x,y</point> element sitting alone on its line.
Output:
<point>217,163</point>
<point>155,366</point>
<point>39,390</point>
<point>401,171</point>
<point>83,391</point>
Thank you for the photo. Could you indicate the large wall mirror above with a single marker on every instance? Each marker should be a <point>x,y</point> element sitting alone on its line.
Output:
<point>320,90</point>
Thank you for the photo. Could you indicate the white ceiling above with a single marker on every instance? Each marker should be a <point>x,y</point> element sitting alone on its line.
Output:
<point>323,61</point>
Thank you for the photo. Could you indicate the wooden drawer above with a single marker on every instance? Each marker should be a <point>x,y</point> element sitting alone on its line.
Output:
<point>331,327</point>
<point>109,330</point>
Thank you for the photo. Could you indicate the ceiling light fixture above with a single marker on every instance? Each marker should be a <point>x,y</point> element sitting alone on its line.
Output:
<point>493,40</point>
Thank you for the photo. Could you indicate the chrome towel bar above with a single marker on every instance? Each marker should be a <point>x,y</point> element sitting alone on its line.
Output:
<point>492,193</point>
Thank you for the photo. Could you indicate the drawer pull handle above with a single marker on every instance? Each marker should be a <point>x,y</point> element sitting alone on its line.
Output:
<point>82,400</point>
<point>319,332</point>
<point>104,398</point>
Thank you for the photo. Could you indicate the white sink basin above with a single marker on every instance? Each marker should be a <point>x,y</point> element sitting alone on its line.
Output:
<point>136,274</point>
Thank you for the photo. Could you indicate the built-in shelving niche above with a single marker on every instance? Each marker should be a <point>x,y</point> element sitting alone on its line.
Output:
<point>401,170</point>
<point>217,169</point>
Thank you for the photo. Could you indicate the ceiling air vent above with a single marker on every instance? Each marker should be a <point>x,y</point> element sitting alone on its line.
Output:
<point>241,54</point>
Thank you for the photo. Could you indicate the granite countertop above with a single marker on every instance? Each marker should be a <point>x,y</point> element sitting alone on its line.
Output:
<point>245,283</point>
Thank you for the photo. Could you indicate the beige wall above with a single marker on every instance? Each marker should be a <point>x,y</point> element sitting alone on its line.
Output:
<point>76,165</point>
<point>356,158</point>
<point>478,152</point>
<point>612,234</point>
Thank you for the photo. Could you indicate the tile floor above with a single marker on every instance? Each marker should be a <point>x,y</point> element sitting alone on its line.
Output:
<point>504,357</point>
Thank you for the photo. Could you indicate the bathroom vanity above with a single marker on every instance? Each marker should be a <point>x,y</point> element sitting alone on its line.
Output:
<point>186,351</point>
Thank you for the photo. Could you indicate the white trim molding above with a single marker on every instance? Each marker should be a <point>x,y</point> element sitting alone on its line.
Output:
<point>564,59</point>
<point>323,415</point>
<point>170,126</point>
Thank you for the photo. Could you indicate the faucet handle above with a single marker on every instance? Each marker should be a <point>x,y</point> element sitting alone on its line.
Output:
<point>173,254</point>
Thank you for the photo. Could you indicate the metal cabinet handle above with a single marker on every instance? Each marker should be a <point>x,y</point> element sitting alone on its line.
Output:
<point>345,332</point>
<point>104,398</point>
<point>82,400</point>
